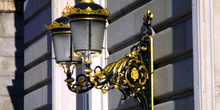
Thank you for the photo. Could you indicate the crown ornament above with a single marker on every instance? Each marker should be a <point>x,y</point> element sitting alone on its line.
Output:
<point>55,25</point>
<point>66,10</point>
<point>88,10</point>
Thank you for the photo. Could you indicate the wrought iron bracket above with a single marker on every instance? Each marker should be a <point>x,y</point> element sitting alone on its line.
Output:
<point>132,75</point>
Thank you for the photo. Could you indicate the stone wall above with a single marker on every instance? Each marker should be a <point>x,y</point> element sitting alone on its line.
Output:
<point>37,53</point>
<point>173,59</point>
<point>11,55</point>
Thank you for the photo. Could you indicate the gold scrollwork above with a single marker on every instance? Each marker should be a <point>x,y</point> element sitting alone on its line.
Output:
<point>99,74</point>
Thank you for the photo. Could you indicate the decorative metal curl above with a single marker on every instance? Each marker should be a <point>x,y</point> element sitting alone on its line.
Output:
<point>130,74</point>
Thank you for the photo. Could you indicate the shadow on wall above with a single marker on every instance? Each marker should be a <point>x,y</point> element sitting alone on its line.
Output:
<point>16,91</point>
<point>182,63</point>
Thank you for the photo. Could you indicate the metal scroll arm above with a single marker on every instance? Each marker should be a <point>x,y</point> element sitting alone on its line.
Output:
<point>81,84</point>
<point>132,74</point>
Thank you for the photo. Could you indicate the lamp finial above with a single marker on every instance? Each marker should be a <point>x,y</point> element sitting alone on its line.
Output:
<point>148,16</point>
<point>87,1</point>
<point>66,10</point>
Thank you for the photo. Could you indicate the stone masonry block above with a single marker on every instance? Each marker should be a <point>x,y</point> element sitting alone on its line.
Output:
<point>173,40</point>
<point>123,31</point>
<point>185,103</point>
<point>31,6</point>
<point>37,49</point>
<point>117,7</point>
<point>7,5</point>
<point>11,5</point>
<point>38,98</point>
<point>119,54</point>
<point>174,78</point>
<point>162,9</point>
<point>7,0</point>
<point>11,66</point>
<point>11,85</point>
<point>37,25</point>
<point>37,74</point>
<point>11,25</point>
<point>11,103</point>
<point>11,47</point>
<point>167,43</point>
<point>115,101</point>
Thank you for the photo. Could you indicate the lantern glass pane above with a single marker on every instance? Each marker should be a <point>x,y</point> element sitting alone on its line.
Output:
<point>98,28</point>
<point>62,47</point>
<point>88,35</point>
<point>80,35</point>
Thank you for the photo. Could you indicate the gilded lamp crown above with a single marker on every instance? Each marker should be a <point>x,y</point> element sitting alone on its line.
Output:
<point>59,23</point>
<point>86,7</point>
<point>62,22</point>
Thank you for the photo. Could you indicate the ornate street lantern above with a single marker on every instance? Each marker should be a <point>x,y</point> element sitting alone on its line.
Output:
<point>62,41</point>
<point>87,21</point>
<point>132,74</point>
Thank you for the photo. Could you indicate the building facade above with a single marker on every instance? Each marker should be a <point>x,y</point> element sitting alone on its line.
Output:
<point>11,55</point>
<point>186,55</point>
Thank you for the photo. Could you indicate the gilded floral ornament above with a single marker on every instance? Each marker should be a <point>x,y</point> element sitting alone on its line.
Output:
<point>88,10</point>
<point>57,25</point>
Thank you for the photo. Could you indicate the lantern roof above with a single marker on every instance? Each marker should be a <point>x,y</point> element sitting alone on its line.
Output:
<point>86,7</point>
<point>62,22</point>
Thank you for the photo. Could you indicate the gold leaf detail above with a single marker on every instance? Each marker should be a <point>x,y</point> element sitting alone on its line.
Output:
<point>99,74</point>
<point>104,91</point>
<point>57,25</point>
<point>82,82</point>
<point>134,74</point>
<point>88,10</point>
<point>87,1</point>
<point>148,15</point>
<point>116,86</point>
<point>66,10</point>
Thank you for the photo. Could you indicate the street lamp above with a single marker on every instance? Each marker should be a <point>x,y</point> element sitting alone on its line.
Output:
<point>62,41</point>
<point>132,74</point>
<point>87,21</point>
